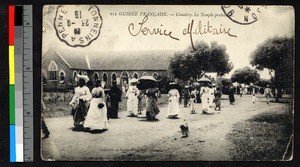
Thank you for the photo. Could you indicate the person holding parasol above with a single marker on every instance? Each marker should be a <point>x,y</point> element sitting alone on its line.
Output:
<point>186,96</point>
<point>205,94</point>
<point>149,84</point>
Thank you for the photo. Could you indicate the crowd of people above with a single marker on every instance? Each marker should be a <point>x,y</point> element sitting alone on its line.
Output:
<point>92,109</point>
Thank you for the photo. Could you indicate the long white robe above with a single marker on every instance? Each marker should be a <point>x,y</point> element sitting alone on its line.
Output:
<point>97,117</point>
<point>205,95</point>
<point>173,107</point>
<point>192,100</point>
<point>132,101</point>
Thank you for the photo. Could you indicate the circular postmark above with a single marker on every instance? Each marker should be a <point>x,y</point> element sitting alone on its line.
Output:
<point>77,25</point>
<point>242,14</point>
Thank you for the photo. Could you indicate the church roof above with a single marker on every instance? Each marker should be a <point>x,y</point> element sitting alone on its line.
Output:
<point>121,60</point>
<point>72,59</point>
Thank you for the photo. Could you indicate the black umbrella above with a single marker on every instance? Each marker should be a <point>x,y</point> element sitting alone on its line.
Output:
<point>204,81</point>
<point>173,85</point>
<point>146,82</point>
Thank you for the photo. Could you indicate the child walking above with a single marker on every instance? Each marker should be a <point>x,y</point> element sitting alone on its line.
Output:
<point>192,101</point>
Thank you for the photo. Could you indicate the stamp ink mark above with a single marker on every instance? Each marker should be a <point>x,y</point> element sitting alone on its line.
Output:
<point>242,14</point>
<point>78,26</point>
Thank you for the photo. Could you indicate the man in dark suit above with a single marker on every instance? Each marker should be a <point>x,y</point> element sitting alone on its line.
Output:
<point>115,97</point>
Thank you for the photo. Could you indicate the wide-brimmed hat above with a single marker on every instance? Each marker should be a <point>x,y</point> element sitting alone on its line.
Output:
<point>133,80</point>
<point>84,77</point>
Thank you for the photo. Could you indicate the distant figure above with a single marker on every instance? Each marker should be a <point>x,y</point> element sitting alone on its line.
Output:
<point>123,88</point>
<point>173,107</point>
<point>198,98</point>
<point>115,94</point>
<point>140,102</point>
<point>205,94</point>
<point>132,100</point>
<point>211,93</point>
<point>253,97</point>
<point>241,92</point>
<point>267,93</point>
<point>218,95</point>
<point>186,96</point>
<point>192,100</point>
<point>231,96</point>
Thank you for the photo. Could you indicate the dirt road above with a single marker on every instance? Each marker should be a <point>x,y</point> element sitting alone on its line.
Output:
<point>136,139</point>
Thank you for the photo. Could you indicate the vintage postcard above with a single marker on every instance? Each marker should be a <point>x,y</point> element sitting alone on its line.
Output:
<point>167,83</point>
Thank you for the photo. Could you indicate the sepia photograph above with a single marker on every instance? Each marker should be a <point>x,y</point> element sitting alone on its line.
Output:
<point>167,83</point>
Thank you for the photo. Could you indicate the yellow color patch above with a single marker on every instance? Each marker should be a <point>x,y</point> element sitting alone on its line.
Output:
<point>11,53</point>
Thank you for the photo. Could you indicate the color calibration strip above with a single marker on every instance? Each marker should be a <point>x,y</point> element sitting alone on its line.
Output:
<point>11,36</point>
<point>20,83</point>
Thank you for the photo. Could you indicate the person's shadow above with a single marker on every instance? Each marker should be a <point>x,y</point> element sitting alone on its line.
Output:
<point>96,131</point>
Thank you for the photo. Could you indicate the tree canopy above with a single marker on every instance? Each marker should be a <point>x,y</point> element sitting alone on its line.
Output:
<point>206,58</point>
<point>245,75</point>
<point>276,54</point>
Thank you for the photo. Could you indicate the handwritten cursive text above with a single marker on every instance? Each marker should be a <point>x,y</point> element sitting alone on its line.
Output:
<point>202,29</point>
<point>142,29</point>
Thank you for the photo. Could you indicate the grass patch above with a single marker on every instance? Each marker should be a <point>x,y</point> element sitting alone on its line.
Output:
<point>263,137</point>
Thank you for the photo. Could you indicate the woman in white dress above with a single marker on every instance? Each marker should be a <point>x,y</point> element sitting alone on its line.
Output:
<point>205,95</point>
<point>173,107</point>
<point>132,98</point>
<point>97,114</point>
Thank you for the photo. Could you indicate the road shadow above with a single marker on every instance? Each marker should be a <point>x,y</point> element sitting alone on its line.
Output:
<point>97,131</point>
<point>206,113</point>
<point>146,120</point>
<point>173,118</point>
<point>74,129</point>
<point>114,118</point>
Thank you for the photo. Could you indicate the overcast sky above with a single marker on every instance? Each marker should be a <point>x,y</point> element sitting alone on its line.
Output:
<point>114,36</point>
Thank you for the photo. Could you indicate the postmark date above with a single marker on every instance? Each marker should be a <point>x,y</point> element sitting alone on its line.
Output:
<point>78,26</point>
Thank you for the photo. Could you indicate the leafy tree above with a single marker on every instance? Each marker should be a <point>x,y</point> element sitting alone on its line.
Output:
<point>163,81</point>
<point>276,54</point>
<point>245,75</point>
<point>224,84</point>
<point>219,59</point>
<point>263,82</point>
<point>206,58</point>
